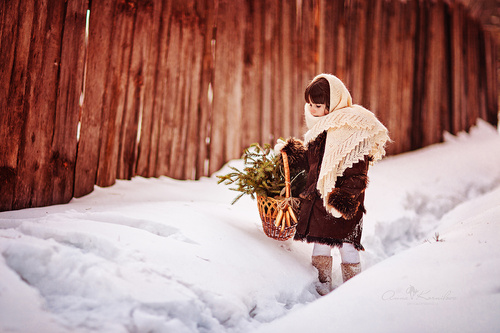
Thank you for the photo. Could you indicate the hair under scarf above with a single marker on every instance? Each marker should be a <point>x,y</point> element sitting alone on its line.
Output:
<point>339,97</point>
<point>352,133</point>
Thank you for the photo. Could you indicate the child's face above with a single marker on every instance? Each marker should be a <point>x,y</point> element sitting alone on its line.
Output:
<point>318,110</point>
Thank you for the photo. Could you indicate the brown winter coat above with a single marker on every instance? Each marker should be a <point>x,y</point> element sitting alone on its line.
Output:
<point>315,223</point>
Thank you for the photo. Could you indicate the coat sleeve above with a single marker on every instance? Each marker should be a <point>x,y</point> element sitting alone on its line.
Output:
<point>345,196</point>
<point>297,153</point>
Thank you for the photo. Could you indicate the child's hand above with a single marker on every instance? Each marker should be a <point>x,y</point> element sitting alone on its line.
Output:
<point>280,144</point>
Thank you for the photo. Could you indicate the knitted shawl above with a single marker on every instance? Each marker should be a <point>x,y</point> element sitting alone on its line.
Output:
<point>352,133</point>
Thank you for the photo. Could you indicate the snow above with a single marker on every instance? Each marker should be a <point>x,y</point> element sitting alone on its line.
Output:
<point>162,255</point>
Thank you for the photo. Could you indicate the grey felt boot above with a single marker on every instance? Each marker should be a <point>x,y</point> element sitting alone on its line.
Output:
<point>350,270</point>
<point>324,266</point>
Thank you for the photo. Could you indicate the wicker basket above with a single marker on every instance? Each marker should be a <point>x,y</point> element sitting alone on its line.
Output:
<point>268,209</point>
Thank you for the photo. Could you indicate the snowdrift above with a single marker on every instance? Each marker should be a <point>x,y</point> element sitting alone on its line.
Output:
<point>161,255</point>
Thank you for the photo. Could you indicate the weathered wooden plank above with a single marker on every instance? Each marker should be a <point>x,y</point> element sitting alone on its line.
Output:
<point>287,110</point>
<point>298,81</point>
<point>297,88</point>
<point>179,140</point>
<point>33,187</point>
<point>472,68</point>
<point>3,9</point>
<point>225,142</point>
<point>445,84</point>
<point>488,110</point>
<point>309,46</point>
<point>434,107</point>
<point>321,15</point>
<point>193,132</point>
<point>178,107</point>
<point>206,92</point>
<point>136,89</point>
<point>115,92</point>
<point>232,55</point>
<point>327,37</point>
<point>407,27</point>
<point>364,98</point>
<point>342,45</point>
<point>200,22</point>
<point>179,62</point>
<point>373,54</point>
<point>146,152</point>
<point>267,68</point>
<point>99,51</point>
<point>356,26</point>
<point>319,31</point>
<point>307,49</point>
<point>391,82</point>
<point>351,43</point>
<point>185,125</point>
<point>159,150</point>
<point>458,106</point>
<point>297,118</point>
<point>482,78</point>
<point>420,78</point>
<point>252,72</point>
<point>17,21</point>
<point>169,79</point>
<point>64,141</point>
<point>491,80</point>
<point>384,77</point>
<point>276,74</point>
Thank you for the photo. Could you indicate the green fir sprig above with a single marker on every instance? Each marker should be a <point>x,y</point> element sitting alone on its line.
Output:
<point>263,174</point>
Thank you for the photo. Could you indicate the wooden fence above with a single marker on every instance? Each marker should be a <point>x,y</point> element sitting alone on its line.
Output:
<point>179,87</point>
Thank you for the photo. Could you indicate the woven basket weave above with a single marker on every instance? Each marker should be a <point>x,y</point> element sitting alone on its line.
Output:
<point>268,209</point>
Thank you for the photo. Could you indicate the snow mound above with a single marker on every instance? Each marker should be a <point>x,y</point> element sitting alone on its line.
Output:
<point>162,255</point>
<point>449,283</point>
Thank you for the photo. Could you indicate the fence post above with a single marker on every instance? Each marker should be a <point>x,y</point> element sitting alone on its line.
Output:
<point>64,142</point>
<point>99,51</point>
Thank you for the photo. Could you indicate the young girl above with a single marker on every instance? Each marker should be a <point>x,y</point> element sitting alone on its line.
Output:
<point>342,140</point>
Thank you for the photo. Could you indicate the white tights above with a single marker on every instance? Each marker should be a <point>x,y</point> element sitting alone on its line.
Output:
<point>348,252</point>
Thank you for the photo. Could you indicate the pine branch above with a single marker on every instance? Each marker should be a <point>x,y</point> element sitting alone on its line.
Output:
<point>263,174</point>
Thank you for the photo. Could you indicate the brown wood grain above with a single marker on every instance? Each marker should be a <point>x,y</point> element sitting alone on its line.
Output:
<point>68,109</point>
<point>92,119</point>
<point>177,88</point>
<point>34,170</point>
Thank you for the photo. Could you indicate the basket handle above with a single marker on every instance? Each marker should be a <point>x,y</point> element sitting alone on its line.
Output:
<point>287,175</point>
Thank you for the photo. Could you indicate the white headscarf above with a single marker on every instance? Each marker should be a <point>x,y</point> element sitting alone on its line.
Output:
<point>339,97</point>
<point>352,133</point>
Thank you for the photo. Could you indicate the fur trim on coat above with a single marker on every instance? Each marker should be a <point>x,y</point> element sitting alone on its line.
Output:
<point>345,200</point>
<point>296,152</point>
